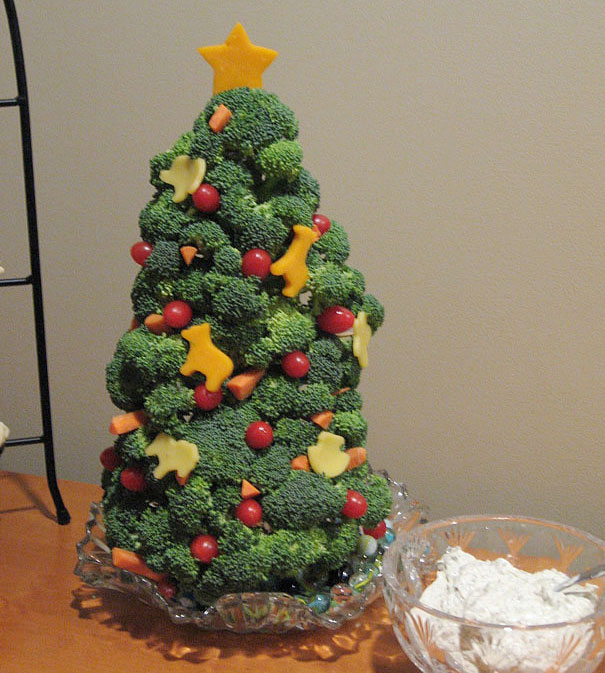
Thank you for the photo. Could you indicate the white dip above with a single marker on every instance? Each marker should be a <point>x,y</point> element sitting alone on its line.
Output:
<point>498,593</point>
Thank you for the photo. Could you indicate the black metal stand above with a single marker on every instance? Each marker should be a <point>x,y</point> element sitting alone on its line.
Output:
<point>35,278</point>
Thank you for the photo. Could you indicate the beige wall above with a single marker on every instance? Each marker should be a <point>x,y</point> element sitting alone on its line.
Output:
<point>461,144</point>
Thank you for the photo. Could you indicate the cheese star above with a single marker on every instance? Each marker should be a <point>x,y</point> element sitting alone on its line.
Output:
<point>185,175</point>
<point>237,62</point>
<point>326,457</point>
<point>293,264</point>
<point>176,455</point>
<point>362,333</point>
<point>205,357</point>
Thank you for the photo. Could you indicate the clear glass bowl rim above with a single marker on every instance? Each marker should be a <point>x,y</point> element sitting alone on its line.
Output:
<point>391,555</point>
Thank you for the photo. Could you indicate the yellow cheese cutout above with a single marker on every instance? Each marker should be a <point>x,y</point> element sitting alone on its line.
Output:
<point>362,333</point>
<point>176,455</point>
<point>185,175</point>
<point>326,457</point>
<point>293,265</point>
<point>237,62</point>
<point>205,357</point>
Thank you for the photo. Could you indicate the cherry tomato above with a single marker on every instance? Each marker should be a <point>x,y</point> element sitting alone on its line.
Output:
<point>249,512</point>
<point>355,506</point>
<point>167,589</point>
<point>206,198</point>
<point>335,319</point>
<point>322,223</point>
<point>256,262</point>
<point>206,400</point>
<point>110,459</point>
<point>259,435</point>
<point>133,479</point>
<point>204,548</point>
<point>177,314</point>
<point>140,251</point>
<point>377,532</point>
<point>295,364</point>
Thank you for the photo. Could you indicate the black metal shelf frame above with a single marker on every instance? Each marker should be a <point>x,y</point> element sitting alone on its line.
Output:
<point>35,278</point>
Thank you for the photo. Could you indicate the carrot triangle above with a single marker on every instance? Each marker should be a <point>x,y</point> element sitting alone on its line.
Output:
<point>188,252</point>
<point>249,490</point>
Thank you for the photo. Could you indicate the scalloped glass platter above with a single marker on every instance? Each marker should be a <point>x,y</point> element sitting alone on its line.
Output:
<point>265,612</point>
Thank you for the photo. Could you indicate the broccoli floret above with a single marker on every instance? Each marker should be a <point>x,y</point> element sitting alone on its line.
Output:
<point>281,161</point>
<point>351,425</point>
<point>274,397</point>
<point>270,469</point>
<point>162,219</point>
<point>335,284</point>
<point>259,119</point>
<point>349,400</point>
<point>341,544</point>
<point>163,161</point>
<point>225,498</point>
<point>227,261</point>
<point>262,231</point>
<point>189,505</point>
<point>373,309</point>
<point>205,235</point>
<point>325,363</point>
<point>141,361</point>
<point>131,445</point>
<point>290,210</point>
<point>304,500</point>
<point>313,398</point>
<point>227,174</point>
<point>165,259</point>
<point>193,289</point>
<point>295,435</point>
<point>334,244</point>
<point>351,372</point>
<point>150,295</point>
<point>156,536</point>
<point>167,403</point>
<point>238,300</point>
<point>306,187</point>
<point>122,525</point>
<point>374,489</point>
<point>290,550</point>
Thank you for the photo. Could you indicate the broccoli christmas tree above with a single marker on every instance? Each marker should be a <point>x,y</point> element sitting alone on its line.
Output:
<point>239,463</point>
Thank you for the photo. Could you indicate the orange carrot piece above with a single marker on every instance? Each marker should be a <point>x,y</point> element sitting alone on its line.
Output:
<point>188,252</point>
<point>181,481</point>
<point>134,323</point>
<point>300,463</point>
<point>357,456</point>
<point>243,385</point>
<point>249,490</point>
<point>128,560</point>
<point>154,322</point>
<point>220,118</point>
<point>340,391</point>
<point>323,419</point>
<point>123,423</point>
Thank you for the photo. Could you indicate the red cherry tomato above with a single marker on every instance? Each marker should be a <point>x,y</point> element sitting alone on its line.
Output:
<point>206,198</point>
<point>256,262</point>
<point>110,459</point>
<point>335,319</point>
<point>355,506</point>
<point>140,251</point>
<point>322,223</point>
<point>377,532</point>
<point>167,589</point>
<point>249,512</point>
<point>295,364</point>
<point>259,435</point>
<point>206,400</point>
<point>133,479</point>
<point>177,314</point>
<point>204,548</point>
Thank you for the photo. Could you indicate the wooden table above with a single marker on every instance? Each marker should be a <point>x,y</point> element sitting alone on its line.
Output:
<point>50,622</point>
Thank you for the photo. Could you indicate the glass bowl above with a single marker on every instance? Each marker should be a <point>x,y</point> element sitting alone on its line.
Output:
<point>267,612</point>
<point>437,642</point>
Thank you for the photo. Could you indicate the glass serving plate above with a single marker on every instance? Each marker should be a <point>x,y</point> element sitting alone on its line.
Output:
<point>265,612</point>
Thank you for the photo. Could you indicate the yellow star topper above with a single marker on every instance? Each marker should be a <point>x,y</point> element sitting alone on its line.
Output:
<point>362,333</point>
<point>237,62</point>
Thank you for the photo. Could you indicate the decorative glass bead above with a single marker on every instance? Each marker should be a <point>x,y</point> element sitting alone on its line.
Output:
<point>367,545</point>
<point>320,603</point>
